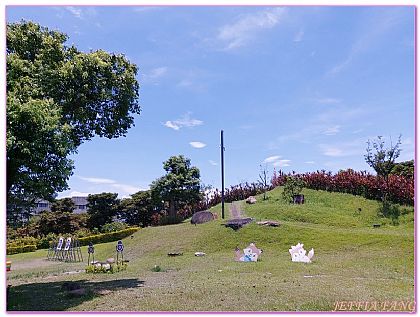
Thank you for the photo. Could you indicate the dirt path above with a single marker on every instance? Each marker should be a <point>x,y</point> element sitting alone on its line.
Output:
<point>235,210</point>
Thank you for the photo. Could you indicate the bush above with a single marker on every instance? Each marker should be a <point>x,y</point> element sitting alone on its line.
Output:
<point>293,186</point>
<point>23,241</point>
<point>108,237</point>
<point>20,249</point>
<point>45,241</point>
<point>113,226</point>
<point>400,189</point>
<point>391,211</point>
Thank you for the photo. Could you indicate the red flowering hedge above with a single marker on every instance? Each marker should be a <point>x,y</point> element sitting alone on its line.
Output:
<point>400,188</point>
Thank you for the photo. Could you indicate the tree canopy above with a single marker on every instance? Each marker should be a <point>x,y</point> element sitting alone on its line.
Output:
<point>180,185</point>
<point>57,98</point>
<point>63,205</point>
<point>101,209</point>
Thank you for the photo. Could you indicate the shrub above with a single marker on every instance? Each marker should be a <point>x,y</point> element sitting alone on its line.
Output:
<point>113,226</point>
<point>108,237</point>
<point>391,211</point>
<point>400,189</point>
<point>20,249</point>
<point>22,241</point>
<point>45,241</point>
<point>292,187</point>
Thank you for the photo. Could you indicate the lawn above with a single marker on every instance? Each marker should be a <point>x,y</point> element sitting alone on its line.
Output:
<point>353,262</point>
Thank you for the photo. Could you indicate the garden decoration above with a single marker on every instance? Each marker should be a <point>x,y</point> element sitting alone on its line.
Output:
<point>57,250</point>
<point>70,253</point>
<point>120,250</point>
<point>66,251</point>
<point>109,266</point>
<point>250,254</point>
<point>298,254</point>
<point>91,250</point>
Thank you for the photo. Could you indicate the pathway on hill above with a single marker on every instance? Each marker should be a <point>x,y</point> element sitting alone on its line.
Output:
<point>235,210</point>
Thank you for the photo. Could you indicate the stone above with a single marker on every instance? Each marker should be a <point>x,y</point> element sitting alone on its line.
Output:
<point>175,253</point>
<point>238,223</point>
<point>202,217</point>
<point>251,200</point>
<point>199,254</point>
<point>269,223</point>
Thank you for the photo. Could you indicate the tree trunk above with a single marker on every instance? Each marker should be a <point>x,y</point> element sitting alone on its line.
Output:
<point>172,210</point>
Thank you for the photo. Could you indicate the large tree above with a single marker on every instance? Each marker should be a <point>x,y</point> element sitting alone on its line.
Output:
<point>101,209</point>
<point>138,209</point>
<point>57,98</point>
<point>180,185</point>
<point>63,205</point>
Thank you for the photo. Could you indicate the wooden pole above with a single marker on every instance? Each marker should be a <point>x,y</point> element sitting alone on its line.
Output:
<point>222,150</point>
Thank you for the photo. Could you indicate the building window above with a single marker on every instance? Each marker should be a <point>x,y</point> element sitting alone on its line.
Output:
<point>42,205</point>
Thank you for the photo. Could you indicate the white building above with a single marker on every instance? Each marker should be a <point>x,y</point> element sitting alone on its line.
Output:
<point>80,204</point>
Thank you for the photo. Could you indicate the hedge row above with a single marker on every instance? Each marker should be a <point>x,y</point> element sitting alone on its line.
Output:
<point>400,189</point>
<point>21,249</point>
<point>108,237</point>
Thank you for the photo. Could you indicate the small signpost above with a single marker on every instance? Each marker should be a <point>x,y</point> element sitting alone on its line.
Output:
<point>91,250</point>
<point>120,252</point>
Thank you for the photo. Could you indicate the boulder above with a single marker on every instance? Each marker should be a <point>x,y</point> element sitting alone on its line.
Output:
<point>202,217</point>
<point>238,223</point>
<point>251,200</point>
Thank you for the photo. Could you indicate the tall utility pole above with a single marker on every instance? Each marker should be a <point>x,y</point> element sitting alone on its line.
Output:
<point>222,150</point>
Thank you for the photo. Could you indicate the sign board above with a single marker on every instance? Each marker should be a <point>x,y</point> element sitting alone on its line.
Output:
<point>91,248</point>
<point>120,246</point>
<point>68,244</point>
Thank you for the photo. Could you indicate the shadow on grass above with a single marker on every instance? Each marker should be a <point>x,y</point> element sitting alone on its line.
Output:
<point>54,296</point>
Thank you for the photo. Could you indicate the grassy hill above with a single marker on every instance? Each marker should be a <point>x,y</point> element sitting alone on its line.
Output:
<point>353,262</point>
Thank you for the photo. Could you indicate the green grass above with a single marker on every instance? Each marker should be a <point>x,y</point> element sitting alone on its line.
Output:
<point>353,261</point>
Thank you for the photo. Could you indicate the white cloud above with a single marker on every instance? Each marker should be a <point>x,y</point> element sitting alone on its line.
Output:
<point>276,161</point>
<point>129,189</point>
<point>332,130</point>
<point>272,159</point>
<point>299,36</point>
<point>108,185</point>
<point>76,12</point>
<point>310,162</point>
<point>245,28</point>
<point>78,194</point>
<point>185,83</point>
<point>81,12</point>
<point>281,163</point>
<point>96,180</point>
<point>184,121</point>
<point>146,8</point>
<point>352,148</point>
<point>213,163</point>
<point>158,72</point>
<point>197,145</point>
<point>377,27</point>
<point>331,151</point>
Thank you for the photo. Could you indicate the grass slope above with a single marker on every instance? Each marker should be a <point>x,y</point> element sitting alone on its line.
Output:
<point>353,262</point>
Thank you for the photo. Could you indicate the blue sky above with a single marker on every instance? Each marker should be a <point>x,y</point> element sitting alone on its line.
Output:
<point>294,88</point>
